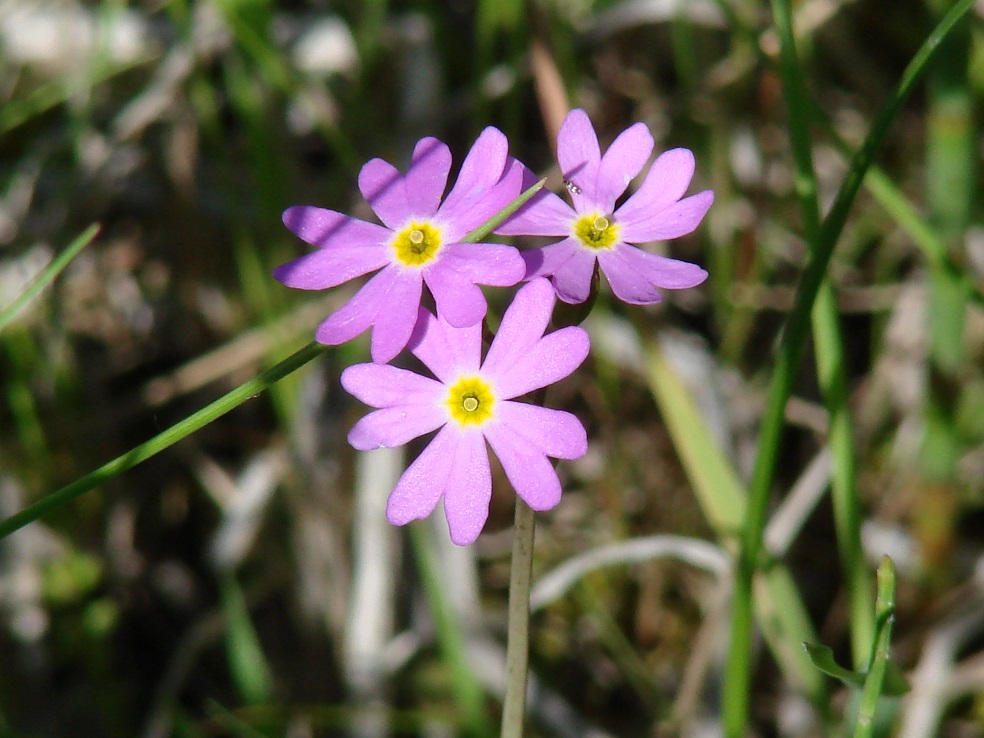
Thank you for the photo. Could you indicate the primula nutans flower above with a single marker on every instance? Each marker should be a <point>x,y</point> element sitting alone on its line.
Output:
<point>594,230</point>
<point>471,402</point>
<point>419,243</point>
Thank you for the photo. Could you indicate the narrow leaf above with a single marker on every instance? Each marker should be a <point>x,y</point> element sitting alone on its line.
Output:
<point>48,275</point>
<point>823,658</point>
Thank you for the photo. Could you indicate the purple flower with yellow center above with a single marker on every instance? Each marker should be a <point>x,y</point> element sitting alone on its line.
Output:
<point>472,402</point>
<point>596,231</point>
<point>420,242</point>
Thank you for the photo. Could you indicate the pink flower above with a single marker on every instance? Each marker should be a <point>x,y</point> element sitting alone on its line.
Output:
<point>595,230</point>
<point>419,243</point>
<point>471,402</point>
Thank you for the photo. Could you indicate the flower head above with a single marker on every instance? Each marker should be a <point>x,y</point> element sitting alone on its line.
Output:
<point>594,230</point>
<point>419,243</point>
<point>471,402</point>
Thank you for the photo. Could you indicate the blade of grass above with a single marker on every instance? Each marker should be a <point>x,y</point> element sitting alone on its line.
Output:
<point>720,492</point>
<point>48,275</point>
<point>879,185</point>
<point>161,441</point>
<point>738,667</point>
<point>950,189</point>
<point>21,110</point>
<point>781,613</point>
<point>247,664</point>
<point>829,348</point>
<point>878,666</point>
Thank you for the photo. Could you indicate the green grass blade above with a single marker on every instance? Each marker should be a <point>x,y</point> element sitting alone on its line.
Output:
<point>737,688</point>
<point>823,658</point>
<point>950,192</point>
<point>721,495</point>
<point>875,680</point>
<point>496,220</point>
<point>720,492</point>
<point>878,184</point>
<point>161,441</point>
<point>247,664</point>
<point>49,274</point>
<point>829,347</point>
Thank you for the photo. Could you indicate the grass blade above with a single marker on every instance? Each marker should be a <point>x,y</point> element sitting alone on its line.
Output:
<point>875,679</point>
<point>49,274</point>
<point>738,674</point>
<point>161,441</point>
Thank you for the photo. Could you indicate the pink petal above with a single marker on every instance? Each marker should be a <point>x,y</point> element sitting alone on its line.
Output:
<point>459,302</point>
<point>383,385</point>
<point>558,434</point>
<point>624,160</point>
<point>579,157</point>
<point>395,426</point>
<point>358,313</point>
<point>522,326</point>
<point>321,227</point>
<point>493,264</point>
<point>527,467</point>
<point>424,481</point>
<point>468,489</point>
<point>427,177</point>
<point>635,274</point>
<point>667,181</point>
<point>331,266</point>
<point>467,215</point>
<point>482,168</point>
<point>677,220</point>
<point>549,360</point>
<point>385,190</point>
<point>548,260</point>
<point>544,215</point>
<point>446,351</point>
<point>396,316</point>
<point>572,281</point>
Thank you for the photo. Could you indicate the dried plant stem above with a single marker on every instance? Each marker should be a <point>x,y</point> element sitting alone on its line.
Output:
<point>518,644</point>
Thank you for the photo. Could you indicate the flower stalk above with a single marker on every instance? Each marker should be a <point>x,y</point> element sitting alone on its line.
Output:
<point>518,644</point>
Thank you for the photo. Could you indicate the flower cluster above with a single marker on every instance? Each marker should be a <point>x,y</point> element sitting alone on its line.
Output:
<point>470,402</point>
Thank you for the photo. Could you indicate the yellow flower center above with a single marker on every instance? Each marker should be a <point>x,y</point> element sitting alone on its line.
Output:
<point>470,401</point>
<point>596,231</point>
<point>417,244</point>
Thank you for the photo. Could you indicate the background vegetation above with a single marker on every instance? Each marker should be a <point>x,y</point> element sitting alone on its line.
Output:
<point>244,582</point>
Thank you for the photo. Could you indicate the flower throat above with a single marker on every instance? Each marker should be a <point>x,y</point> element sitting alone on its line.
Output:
<point>417,244</point>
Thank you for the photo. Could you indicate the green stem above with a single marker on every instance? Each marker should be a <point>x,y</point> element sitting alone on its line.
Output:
<point>163,440</point>
<point>518,644</point>
<point>880,652</point>
<point>739,663</point>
